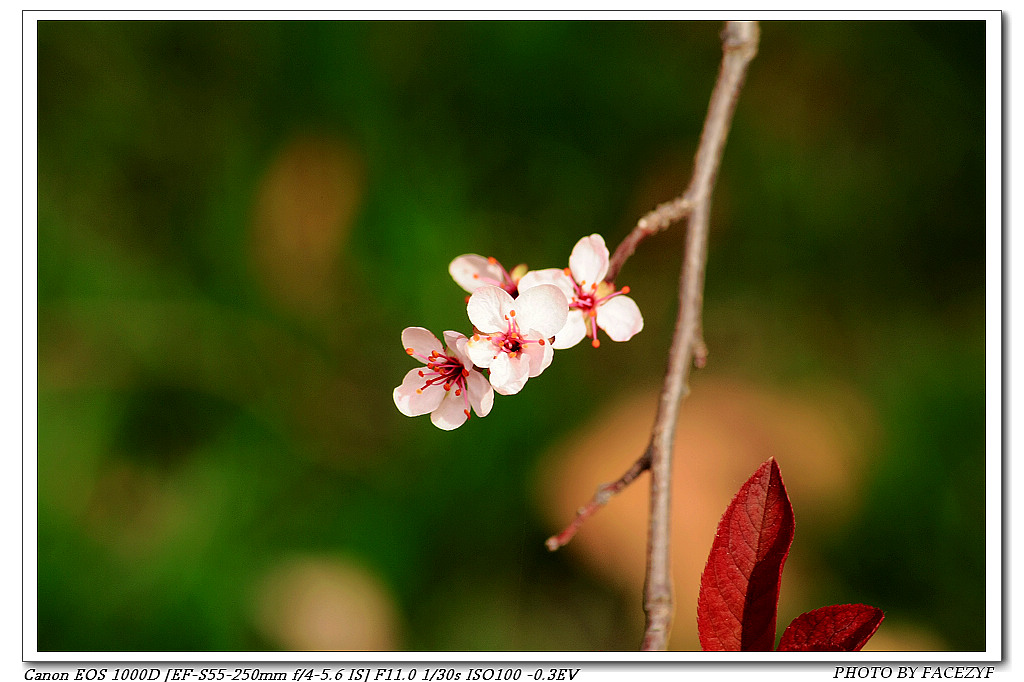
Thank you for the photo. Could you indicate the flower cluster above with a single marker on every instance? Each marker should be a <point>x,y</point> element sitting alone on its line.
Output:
<point>520,317</point>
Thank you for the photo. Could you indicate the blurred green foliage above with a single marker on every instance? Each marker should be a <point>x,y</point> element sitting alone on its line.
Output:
<point>197,423</point>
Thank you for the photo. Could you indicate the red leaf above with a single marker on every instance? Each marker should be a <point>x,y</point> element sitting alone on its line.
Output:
<point>843,627</point>
<point>739,589</point>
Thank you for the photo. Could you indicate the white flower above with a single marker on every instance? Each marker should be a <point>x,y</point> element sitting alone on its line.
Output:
<point>512,334</point>
<point>472,272</point>
<point>593,302</point>
<point>447,386</point>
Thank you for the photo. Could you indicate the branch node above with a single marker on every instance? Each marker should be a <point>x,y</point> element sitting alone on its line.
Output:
<point>700,353</point>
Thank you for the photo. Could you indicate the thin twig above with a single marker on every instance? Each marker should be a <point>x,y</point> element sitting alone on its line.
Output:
<point>739,45</point>
<point>657,220</point>
<point>604,493</point>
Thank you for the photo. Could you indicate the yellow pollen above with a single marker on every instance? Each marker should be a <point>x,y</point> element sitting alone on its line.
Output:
<point>419,390</point>
<point>492,260</point>
<point>512,313</point>
<point>476,276</point>
<point>567,271</point>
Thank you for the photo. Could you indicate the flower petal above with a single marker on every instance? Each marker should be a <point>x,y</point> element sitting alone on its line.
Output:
<point>481,351</point>
<point>422,342</point>
<point>554,276</point>
<point>488,307</point>
<point>472,271</point>
<point>573,332</point>
<point>457,345</point>
<point>508,374</point>
<point>412,403</point>
<point>620,317</point>
<point>481,395</point>
<point>539,357</point>
<point>451,413</point>
<point>589,260</point>
<point>543,309</point>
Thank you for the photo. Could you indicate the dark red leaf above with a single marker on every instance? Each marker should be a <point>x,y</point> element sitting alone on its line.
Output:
<point>739,589</point>
<point>843,627</point>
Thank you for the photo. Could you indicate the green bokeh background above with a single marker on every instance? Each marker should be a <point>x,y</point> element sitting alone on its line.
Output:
<point>848,243</point>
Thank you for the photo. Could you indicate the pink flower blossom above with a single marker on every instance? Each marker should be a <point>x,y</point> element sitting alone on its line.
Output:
<point>472,272</point>
<point>593,302</point>
<point>512,334</point>
<point>448,386</point>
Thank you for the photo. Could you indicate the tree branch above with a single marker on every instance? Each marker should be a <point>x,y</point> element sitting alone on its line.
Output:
<point>739,45</point>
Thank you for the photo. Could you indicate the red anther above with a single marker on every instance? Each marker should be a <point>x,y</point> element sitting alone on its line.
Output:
<point>410,351</point>
<point>593,286</point>
<point>465,372</point>
<point>492,260</point>
<point>595,343</point>
<point>512,313</point>
<point>447,385</point>
<point>467,412</point>
<point>625,290</point>
<point>476,337</point>
<point>540,341</point>
<point>421,372</point>
<point>567,271</point>
<point>506,317</point>
<point>458,392</point>
<point>476,276</point>
<point>593,312</point>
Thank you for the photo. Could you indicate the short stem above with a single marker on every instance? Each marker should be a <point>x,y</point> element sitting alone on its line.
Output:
<point>605,492</point>
<point>663,216</point>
